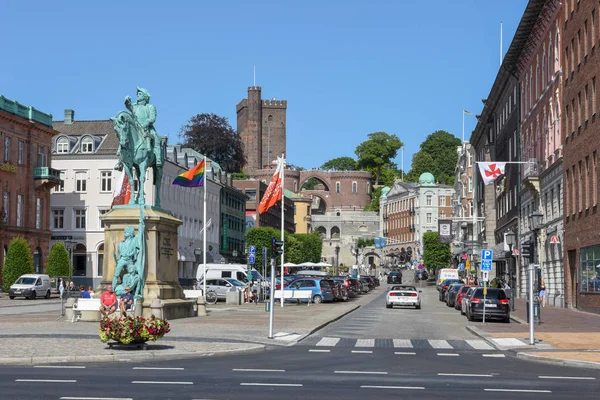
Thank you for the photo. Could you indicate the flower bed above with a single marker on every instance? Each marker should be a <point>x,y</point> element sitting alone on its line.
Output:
<point>129,329</point>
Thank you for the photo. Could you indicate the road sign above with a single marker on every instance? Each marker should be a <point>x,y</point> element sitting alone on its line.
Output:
<point>252,249</point>
<point>486,259</point>
<point>484,276</point>
<point>461,267</point>
<point>251,259</point>
<point>468,265</point>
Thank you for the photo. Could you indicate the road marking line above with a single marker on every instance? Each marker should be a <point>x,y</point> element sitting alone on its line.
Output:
<point>472,375</point>
<point>161,369</point>
<point>257,370</point>
<point>405,353</point>
<point>440,344</point>
<point>270,384</point>
<point>60,366</point>
<point>163,383</point>
<point>318,351</point>
<point>567,377</point>
<point>96,398</point>
<point>479,344</point>
<point>328,341</point>
<point>363,351</point>
<point>494,355</point>
<point>361,372</point>
<point>402,343</point>
<point>392,387</point>
<point>47,380</point>
<point>365,343</point>
<point>448,354</point>
<point>518,390</point>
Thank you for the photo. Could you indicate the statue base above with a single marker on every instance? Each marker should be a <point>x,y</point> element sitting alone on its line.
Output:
<point>161,279</point>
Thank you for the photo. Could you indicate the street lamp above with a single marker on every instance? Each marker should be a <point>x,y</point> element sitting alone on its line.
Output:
<point>511,240</point>
<point>535,224</point>
<point>337,258</point>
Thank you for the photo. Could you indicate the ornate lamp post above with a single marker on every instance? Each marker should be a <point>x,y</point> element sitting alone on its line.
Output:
<point>511,240</point>
<point>535,223</point>
<point>337,258</point>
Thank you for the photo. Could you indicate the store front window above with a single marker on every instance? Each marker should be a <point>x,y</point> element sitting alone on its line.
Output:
<point>590,269</point>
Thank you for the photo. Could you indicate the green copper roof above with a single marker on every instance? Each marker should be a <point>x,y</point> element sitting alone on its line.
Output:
<point>385,191</point>
<point>26,112</point>
<point>426,179</point>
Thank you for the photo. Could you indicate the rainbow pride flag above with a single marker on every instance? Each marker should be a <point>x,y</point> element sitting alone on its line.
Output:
<point>192,178</point>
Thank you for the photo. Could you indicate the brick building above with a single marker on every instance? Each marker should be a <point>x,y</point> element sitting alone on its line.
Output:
<point>462,203</point>
<point>26,179</point>
<point>581,131</point>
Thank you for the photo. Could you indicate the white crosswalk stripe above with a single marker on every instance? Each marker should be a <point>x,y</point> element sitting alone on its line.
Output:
<point>328,341</point>
<point>479,344</point>
<point>439,344</point>
<point>403,343</point>
<point>365,343</point>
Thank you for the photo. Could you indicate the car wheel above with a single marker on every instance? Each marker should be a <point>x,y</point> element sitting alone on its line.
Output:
<point>317,299</point>
<point>469,317</point>
<point>11,297</point>
<point>461,312</point>
<point>418,307</point>
<point>48,294</point>
<point>388,306</point>
<point>506,320</point>
<point>32,296</point>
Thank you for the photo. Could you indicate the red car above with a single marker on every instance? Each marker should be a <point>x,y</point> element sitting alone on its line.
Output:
<point>459,297</point>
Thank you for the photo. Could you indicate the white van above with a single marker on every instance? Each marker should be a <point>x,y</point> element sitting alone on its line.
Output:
<point>234,271</point>
<point>446,273</point>
<point>30,286</point>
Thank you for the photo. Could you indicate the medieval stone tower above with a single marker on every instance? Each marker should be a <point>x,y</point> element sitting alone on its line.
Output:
<point>262,126</point>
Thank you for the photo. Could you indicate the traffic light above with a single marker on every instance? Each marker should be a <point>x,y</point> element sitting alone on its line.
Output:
<point>276,247</point>
<point>526,250</point>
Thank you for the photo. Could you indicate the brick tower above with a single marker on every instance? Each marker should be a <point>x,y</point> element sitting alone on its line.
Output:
<point>273,129</point>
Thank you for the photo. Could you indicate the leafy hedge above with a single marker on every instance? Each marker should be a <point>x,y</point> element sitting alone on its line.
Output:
<point>298,248</point>
<point>59,263</point>
<point>19,261</point>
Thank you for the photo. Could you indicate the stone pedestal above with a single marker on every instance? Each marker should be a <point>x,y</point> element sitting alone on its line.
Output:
<point>161,280</point>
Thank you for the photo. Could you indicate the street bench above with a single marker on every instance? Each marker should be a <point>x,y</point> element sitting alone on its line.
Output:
<point>89,310</point>
<point>293,294</point>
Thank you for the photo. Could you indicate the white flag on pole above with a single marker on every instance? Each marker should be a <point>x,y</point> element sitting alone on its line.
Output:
<point>491,170</point>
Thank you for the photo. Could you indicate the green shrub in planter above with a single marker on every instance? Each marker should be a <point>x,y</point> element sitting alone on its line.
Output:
<point>19,261</point>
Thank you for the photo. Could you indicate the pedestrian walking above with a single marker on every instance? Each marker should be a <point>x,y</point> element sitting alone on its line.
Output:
<point>543,294</point>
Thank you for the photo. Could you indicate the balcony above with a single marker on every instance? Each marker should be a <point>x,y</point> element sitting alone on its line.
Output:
<point>531,174</point>
<point>49,177</point>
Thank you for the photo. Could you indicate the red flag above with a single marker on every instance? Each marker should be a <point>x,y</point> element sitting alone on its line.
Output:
<point>122,192</point>
<point>274,191</point>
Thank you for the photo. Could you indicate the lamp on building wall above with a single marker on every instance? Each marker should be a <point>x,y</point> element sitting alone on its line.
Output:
<point>197,253</point>
<point>511,240</point>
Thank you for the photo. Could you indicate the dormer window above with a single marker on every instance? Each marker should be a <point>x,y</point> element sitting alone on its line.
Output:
<point>87,145</point>
<point>62,145</point>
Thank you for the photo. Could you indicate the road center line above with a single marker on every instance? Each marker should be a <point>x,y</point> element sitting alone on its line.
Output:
<point>392,387</point>
<point>270,384</point>
<point>518,390</point>
<point>448,354</point>
<point>47,380</point>
<point>161,369</point>
<point>318,351</point>
<point>257,370</point>
<point>405,353</point>
<point>96,398</point>
<point>567,377</point>
<point>494,355</point>
<point>467,375</point>
<point>60,366</point>
<point>162,383</point>
<point>363,351</point>
<point>361,372</point>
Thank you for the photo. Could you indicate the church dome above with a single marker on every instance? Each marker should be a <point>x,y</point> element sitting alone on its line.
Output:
<point>385,191</point>
<point>426,178</point>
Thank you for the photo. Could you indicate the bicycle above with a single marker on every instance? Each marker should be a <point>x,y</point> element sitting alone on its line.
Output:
<point>211,297</point>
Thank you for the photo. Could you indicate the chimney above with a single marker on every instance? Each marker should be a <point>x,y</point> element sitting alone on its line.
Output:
<point>69,117</point>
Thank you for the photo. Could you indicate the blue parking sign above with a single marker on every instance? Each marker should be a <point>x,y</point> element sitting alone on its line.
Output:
<point>252,250</point>
<point>461,267</point>
<point>251,259</point>
<point>486,259</point>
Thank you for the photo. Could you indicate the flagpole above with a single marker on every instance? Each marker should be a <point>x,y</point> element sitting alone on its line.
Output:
<point>282,221</point>
<point>463,128</point>
<point>204,230</point>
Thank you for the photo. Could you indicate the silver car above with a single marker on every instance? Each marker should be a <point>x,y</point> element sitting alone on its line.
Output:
<point>466,299</point>
<point>220,286</point>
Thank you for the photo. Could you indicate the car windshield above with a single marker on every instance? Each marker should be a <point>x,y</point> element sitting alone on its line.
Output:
<point>492,294</point>
<point>465,289</point>
<point>394,273</point>
<point>25,281</point>
<point>235,282</point>
<point>404,288</point>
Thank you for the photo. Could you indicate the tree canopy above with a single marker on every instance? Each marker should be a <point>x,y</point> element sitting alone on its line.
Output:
<point>298,247</point>
<point>435,253</point>
<point>18,261</point>
<point>59,263</point>
<point>341,164</point>
<point>441,147</point>
<point>378,151</point>
<point>212,136</point>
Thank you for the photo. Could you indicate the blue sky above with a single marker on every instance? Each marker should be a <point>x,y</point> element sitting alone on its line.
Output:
<point>347,68</point>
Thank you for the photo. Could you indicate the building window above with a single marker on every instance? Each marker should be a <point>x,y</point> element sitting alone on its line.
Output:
<point>19,210</point>
<point>7,148</point>
<point>106,181</point>
<point>337,187</point>
<point>590,269</point>
<point>295,186</point>
<point>87,145</point>
<point>80,215</point>
<point>58,219</point>
<point>101,212</point>
<point>443,215</point>
<point>470,185</point>
<point>21,152</point>
<point>81,181</point>
<point>62,145</point>
<point>6,203</point>
<point>38,213</point>
<point>428,200</point>
<point>428,218</point>
<point>61,187</point>
<point>354,187</point>
<point>368,188</point>
<point>443,201</point>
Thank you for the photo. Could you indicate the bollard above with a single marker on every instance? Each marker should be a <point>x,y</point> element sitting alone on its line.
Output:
<point>69,308</point>
<point>157,308</point>
<point>201,303</point>
<point>138,307</point>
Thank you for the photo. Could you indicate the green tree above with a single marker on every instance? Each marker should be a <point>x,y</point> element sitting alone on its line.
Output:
<point>310,184</point>
<point>341,164</point>
<point>422,162</point>
<point>435,253</point>
<point>59,263</point>
<point>441,146</point>
<point>361,243</point>
<point>378,151</point>
<point>19,261</point>
<point>375,196</point>
<point>298,247</point>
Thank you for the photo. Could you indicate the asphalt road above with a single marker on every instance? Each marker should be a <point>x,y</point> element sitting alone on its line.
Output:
<point>379,353</point>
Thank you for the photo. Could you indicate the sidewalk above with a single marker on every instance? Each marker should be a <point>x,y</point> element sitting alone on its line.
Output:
<point>41,338</point>
<point>566,336</point>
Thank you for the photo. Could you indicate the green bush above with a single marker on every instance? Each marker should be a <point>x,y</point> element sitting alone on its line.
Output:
<point>19,261</point>
<point>58,261</point>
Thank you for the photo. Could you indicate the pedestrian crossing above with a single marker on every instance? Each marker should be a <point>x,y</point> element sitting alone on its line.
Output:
<point>466,344</point>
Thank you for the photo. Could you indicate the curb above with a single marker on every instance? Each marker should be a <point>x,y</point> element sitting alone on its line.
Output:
<point>147,355</point>
<point>558,361</point>
<point>324,324</point>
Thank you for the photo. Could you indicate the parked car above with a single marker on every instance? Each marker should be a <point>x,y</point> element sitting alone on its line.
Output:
<point>466,299</point>
<point>459,297</point>
<point>444,286</point>
<point>394,277</point>
<point>375,280</point>
<point>496,305</point>
<point>321,290</point>
<point>421,275</point>
<point>367,281</point>
<point>451,294</point>
<point>30,286</point>
<point>403,296</point>
<point>221,286</point>
<point>348,286</point>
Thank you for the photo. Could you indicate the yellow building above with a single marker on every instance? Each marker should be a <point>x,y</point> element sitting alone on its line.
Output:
<point>302,213</point>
